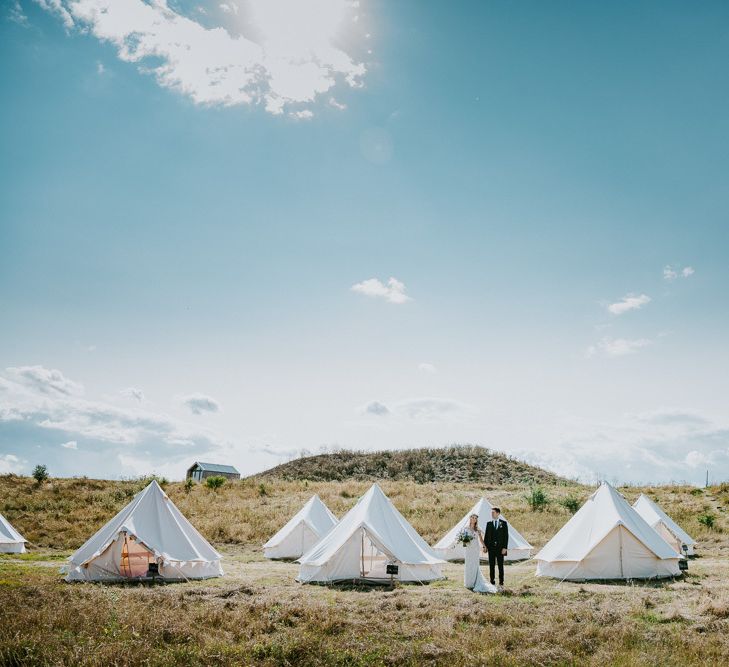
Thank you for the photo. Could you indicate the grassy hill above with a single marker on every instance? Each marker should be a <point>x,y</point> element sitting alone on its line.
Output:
<point>449,464</point>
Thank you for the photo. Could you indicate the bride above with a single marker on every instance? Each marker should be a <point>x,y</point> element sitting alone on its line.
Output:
<point>472,577</point>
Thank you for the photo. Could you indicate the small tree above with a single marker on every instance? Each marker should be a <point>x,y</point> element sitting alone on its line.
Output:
<point>189,483</point>
<point>40,474</point>
<point>571,503</point>
<point>215,482</point>
<point>537,499</point>
<point>262,490</point>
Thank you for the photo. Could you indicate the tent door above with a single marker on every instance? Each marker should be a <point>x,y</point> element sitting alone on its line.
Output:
<point>373,561</point>
<point>135,558</point>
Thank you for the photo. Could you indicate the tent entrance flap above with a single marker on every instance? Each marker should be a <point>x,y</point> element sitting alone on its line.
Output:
<point>135,558</point>
<point>373,559</point>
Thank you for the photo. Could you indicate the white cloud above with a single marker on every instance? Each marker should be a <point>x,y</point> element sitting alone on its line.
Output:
<point>138,466</point>
<point>133,392</point>
<point>9,463</point>
<point>229,7</point>
<point>618,347</point>
<point>694,459</point>
<point>292,55</point>
<point>429,410</point>
<point>392,292</point>
<point>671,273</point>
<point>629,302</point>
<point>38,409</point>
<point>427,368</point>
<point>16,14</point>
<point>45,380</point>
<point>654,447</point>
<point>71,444</point>
<point>57,7</point>
<point>199,404</point>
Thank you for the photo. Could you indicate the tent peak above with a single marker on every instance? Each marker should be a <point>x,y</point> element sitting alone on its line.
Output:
<point>154,487</point>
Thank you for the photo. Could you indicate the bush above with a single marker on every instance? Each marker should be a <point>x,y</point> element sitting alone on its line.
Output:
<point>40,474</point>
<point>537,499</point>
<point>707,519</point>
<point>214,482</point>
<point>189,483</point>
<point>144,480</point>
<point>571,503</point>
<point>262,490</point>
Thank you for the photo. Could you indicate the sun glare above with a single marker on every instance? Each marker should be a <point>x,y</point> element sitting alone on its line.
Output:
<point>297,25</point>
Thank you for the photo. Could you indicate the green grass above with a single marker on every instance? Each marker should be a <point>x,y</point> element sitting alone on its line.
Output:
<point>36,556</point>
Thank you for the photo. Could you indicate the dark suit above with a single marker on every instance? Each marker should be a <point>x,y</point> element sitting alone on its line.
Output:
<point>496,538</point>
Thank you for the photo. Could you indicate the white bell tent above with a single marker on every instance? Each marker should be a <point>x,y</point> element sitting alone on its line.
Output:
<point>150,529</point>
<point>607,539</point>
<point>370,536</point>
<point>11,541</point>
<point>449,549</point>
<point>303,531</point>
<point>664,525</point>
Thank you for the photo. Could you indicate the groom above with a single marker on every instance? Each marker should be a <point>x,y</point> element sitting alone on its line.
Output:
<point>497,540</point>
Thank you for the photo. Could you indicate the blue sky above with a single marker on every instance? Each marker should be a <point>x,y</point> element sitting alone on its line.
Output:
<point>202,206</point>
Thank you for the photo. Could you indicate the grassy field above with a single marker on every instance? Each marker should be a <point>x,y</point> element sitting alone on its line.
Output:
<point>257,614</point>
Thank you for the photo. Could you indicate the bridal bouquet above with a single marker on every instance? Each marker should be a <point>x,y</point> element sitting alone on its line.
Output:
<point>465,535</point>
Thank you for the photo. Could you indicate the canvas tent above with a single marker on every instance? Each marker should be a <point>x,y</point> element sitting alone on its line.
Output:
<point>11,541</point>
<point>449,549</point>
<point>303,531</point>
<point>150,529</point>
<point>607,539</point>
<point>664,525</point>
<point>371,535</point>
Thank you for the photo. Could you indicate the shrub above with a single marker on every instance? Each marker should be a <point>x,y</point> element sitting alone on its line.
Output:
<point>214,482</point>
<point>571,503</point>
<point>144,480</point>
<point>707,519</point>
<point>40,474</point>
<point>537,499</point>
<point>189,483</point>
<point>262,490</point>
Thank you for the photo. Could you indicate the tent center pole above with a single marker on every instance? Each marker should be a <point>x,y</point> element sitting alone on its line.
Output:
<point>620,535</point>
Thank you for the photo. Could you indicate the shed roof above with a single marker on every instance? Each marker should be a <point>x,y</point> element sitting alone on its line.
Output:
<point>214,467</point>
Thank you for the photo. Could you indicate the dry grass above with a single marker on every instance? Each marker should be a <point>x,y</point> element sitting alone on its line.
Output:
<point>63,513</point>
<point>257,614</point>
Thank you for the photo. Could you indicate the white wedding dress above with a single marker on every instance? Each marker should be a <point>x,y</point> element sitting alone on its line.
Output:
<point>472,575</point>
